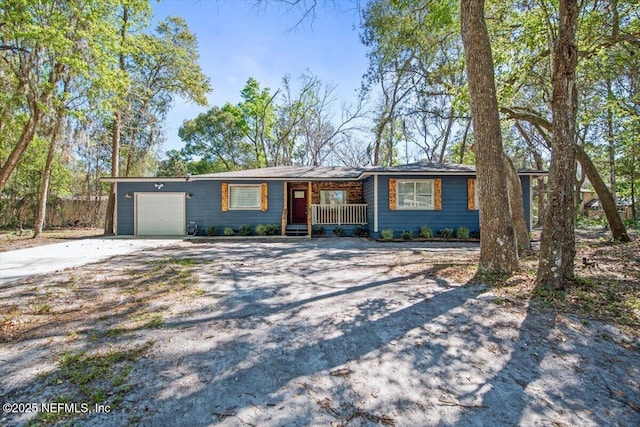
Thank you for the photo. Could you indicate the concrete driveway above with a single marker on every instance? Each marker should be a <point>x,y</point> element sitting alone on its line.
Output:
<point>23,263</point>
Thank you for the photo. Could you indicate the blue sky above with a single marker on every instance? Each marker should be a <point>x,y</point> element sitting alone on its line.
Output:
<point>238,40</point>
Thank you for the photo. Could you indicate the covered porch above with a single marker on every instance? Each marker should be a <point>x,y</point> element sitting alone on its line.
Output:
<point>325,203</point>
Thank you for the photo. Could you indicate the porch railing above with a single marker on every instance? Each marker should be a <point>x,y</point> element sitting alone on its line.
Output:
<point>339,214</point>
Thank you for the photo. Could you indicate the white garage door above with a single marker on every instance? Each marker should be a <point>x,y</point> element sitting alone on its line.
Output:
<point>160,214</point>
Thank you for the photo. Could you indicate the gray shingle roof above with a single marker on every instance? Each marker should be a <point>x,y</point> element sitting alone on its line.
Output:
<point>421,167</point>
<point>289,172</point>
<point>329,173</point>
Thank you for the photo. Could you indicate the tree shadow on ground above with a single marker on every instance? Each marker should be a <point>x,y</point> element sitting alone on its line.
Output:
<point>259,382</point>
<point>536,387</point>
<point>277,346</point>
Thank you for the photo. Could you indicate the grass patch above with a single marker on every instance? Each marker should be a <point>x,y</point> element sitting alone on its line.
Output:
<point>148,320</point>
<point>199,292</point>
<point>156,322</point>
<point>550,296</point>
<point>116,332</point>
<point>185,262</point>
<point>99,378</point>
<point>41,308</point>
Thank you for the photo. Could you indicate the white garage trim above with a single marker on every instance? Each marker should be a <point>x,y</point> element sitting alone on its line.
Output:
<point>160,214</point>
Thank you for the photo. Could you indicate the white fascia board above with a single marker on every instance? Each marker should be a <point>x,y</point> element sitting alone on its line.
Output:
<point>112,180</point>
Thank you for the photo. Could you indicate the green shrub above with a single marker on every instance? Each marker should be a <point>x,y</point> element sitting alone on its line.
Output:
<point>272,229</point>
<point>426,232</point>
<point>407,235</point>
<point>339,231</point>
<point>462,233</point>
<point>361,231</point>
<point>211,231</point>
<point>246,230</point>
<point>318,230</point>
<point>387,234</point>
<point>265,230</point>
<point>631,223</point>
<point>446,233</point>
<point>228,231</point>
<point>591,221</point>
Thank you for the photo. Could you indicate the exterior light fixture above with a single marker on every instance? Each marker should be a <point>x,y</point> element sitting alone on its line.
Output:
<point>158,185</point>
<point>128,196</point>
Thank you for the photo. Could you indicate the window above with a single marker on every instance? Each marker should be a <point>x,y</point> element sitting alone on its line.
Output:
<point>415,194</point>
<point>245,197</point>
<point>333,197</point>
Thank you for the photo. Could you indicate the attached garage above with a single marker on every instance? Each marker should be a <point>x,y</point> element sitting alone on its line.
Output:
<point>160,214</point>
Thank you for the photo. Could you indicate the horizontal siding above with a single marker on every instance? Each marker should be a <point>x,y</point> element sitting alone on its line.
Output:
<point>368,194</point>
<point>454,211</point>
<point>236,218</point>
<point>204,207</point>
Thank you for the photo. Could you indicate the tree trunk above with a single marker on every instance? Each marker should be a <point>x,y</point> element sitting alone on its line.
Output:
<point>26,137</point>
<point>514,187</point>
<point>115,137</point>
<point>378,143</point>
<point>634,158</point>
<point>498,248</point>
<point>612,144</point>
<point>464,141</point>
<point>557,245</point>
<point>618,230</point>
<point>29,131</point>
<point>46,174</point>
<point>109,226</point>
<point>44,190</point>
<point>445,139</point>
<point>539,166</point>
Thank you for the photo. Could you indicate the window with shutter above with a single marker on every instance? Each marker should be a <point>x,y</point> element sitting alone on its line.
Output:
<point>245,197</point>
<point>418,194</point>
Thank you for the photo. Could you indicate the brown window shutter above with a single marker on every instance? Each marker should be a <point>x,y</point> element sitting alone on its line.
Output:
<point>471,194</point>
<point>264,205</point>
<point>225,196</point>
<point>437,190</point>
<point>392,194</point>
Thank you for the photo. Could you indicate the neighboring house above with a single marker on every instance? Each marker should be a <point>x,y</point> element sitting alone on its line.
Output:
<point>591,206</point>
<point>299,198</point>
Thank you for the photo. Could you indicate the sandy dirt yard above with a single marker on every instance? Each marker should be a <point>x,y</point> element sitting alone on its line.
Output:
<point>12,240</point>
<point>335,332</point>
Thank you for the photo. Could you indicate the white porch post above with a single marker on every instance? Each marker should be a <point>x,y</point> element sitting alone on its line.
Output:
<point>375,203</point>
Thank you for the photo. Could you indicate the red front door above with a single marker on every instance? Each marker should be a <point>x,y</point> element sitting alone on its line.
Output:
<point>299,206</point>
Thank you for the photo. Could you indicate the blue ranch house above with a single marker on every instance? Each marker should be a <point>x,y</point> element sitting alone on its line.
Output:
<point>299,199</point>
